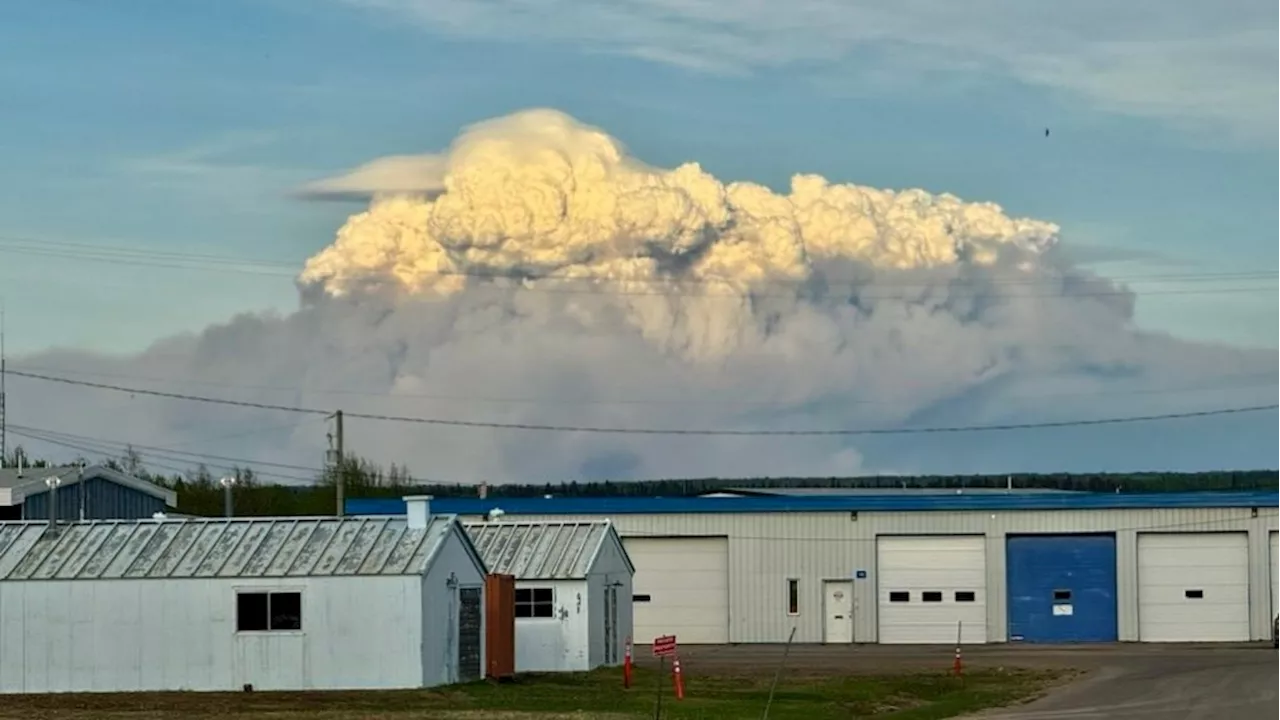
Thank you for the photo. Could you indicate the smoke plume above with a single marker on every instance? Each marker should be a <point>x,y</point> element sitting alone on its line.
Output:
<point>535,272</point>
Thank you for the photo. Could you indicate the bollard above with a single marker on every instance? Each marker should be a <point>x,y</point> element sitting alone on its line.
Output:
<point>957,667</point>
<point>678,677</point>
<point>626,666</point>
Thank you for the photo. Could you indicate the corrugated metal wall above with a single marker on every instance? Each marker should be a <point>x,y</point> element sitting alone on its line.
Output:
<point>101,500</point>
<point>766,549</point>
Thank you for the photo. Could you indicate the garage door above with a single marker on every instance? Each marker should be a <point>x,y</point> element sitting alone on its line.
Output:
<point>1062,588</point>
<point>930,588</point>
<point>1193,587</point>
<point>681,588</point>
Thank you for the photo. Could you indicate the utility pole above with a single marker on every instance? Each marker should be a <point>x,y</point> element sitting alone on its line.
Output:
<point>336,460</point>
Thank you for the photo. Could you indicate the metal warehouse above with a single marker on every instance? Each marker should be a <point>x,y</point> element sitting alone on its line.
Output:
<point>572,594</point>
<point>922,567</point>
<point>277,603</point>
<point>95,492</point>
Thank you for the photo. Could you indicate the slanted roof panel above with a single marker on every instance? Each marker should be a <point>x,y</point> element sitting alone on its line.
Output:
<point>191,548</point>
<point>539,550</point>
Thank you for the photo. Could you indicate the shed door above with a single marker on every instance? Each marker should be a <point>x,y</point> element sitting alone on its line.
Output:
<point>470,625</point>
<point>611,624</point>
<point>1193,587</point>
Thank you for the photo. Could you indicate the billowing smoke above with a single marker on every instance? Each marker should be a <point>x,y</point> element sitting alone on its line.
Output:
<point>535,272</point>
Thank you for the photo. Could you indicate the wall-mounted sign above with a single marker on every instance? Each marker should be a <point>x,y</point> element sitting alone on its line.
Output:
<point>860,574</point>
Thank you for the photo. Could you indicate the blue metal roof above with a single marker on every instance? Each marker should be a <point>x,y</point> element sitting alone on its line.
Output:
<point>825,503</point>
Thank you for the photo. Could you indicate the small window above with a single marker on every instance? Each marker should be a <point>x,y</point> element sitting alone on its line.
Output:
<point>268,611</point>
<point>1062,596</point>
<point>931,596</point>
<point>1195,594</point>
<point>640,598</point>
<point>899,596</point>
<point>793,597</point>
<point>535,603</point>
<point>966,596</point>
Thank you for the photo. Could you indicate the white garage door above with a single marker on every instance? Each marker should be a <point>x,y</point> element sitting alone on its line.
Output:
<point>931,589</point>
<point>681,588</point>
<point>1193,587</point>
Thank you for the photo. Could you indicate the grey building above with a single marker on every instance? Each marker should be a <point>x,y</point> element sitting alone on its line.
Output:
<point>930,567</point>
<point>95,492</point>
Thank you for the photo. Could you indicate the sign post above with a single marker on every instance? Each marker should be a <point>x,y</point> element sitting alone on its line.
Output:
<point>663,648</point>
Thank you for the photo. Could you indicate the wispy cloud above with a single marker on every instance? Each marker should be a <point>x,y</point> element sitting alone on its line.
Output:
<point>222,169</point>
<point>1199,66</point>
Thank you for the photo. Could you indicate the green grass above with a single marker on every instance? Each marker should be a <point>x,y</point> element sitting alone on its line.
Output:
<point>900,697</point>
<point>582,696</point>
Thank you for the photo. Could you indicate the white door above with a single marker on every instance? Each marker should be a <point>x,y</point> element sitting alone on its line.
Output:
<point>837,607</point>
<point>1193,587</point>
<point>932,589</point>
<point>1275,574</point>
<point>681,588</point>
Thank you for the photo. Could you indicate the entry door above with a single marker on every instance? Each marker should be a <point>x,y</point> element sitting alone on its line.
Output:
<point>469,634</point>
<point>837,605</point>
<point>611,625</point>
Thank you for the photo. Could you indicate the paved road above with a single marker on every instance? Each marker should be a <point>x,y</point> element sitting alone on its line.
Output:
<point>1124,682</point>
<point>1179,684</point>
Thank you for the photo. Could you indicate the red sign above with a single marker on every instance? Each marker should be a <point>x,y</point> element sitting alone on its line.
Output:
<point>664,646</point>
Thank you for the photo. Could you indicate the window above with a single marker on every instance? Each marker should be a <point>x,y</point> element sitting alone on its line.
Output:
<point>1195,594</point>
<point>535,603</point>
<point>268,611</point>
<point>965,596</point>
<point>793,597</point>
<point>1062,596</point>
<point>931,596</point>
<point>899,596</point>
<point>640,598</point>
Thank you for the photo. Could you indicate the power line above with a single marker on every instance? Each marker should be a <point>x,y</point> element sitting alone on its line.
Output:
<point>89,448</point>
<point>658,431</point>
<point>1254,380</point>
<point>171,451</point>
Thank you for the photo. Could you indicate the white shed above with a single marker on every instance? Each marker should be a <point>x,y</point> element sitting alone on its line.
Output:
<point>573,590</point>
<point>272,603</point>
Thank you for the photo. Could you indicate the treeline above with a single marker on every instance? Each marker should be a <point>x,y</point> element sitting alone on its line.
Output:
<point>200,493</point>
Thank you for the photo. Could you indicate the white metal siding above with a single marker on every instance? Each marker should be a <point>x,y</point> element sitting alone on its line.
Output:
<point>611,569</point>
<point>1273,558</point>
<point>138,635</point>
<point>1174,566</point>
<point>919,566</point>
<point>557,643</point>
<point>765,549</point>
<point>687,581</point>
<point>451,569</point>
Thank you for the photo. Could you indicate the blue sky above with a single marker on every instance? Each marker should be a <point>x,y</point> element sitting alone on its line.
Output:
<point>182,128</point>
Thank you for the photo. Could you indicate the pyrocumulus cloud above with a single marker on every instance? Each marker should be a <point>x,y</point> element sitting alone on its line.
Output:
<point>534,271</point>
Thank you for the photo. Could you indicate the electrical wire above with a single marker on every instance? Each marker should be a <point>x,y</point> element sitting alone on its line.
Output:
<point>1256,380</point>
<point>656,431</point>
<point>149,457</point>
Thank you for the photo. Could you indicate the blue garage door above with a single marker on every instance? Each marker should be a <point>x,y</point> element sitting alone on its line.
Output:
<point>1062,588</point>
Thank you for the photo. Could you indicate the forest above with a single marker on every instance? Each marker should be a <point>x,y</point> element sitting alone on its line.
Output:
<point>201,494</point>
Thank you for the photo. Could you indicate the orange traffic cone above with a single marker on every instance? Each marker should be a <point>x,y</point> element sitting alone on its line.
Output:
<point>626,666</point>
<point>679,678</point>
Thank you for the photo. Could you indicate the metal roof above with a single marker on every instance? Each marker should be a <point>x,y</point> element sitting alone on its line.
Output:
<point>540,550</point>
<point>16,485</point>
<point>851,492</point>
<point>224,548</point>
<point>825,503</point>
